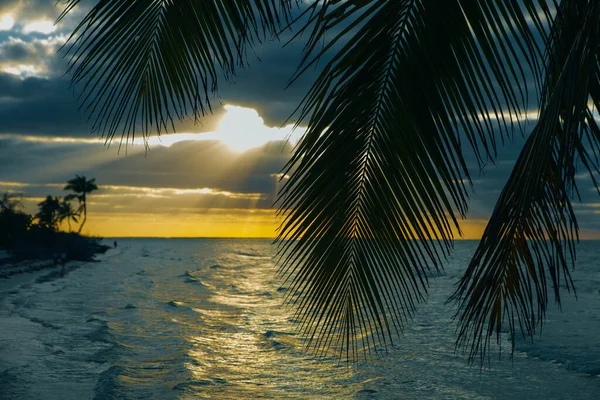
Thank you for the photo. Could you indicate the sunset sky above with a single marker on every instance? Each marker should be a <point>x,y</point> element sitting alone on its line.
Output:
<point>217,178</point>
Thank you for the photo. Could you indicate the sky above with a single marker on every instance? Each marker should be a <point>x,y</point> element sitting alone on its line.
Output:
<point>215,178</point>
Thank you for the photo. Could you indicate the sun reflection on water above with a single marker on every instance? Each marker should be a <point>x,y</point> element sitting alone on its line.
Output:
<point>194,328</point>
<point>248,345</point>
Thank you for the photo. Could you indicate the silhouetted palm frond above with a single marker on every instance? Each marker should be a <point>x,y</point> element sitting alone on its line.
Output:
<point>378,182</point>
<point>143,64</point>
<point>532,230</point>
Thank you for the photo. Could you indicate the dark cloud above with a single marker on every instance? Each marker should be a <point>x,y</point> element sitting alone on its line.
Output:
<point>39,106</point>
<point>38,52</point>
<point>48,106</point>
<point>13,88</point>
<point>263,85</point>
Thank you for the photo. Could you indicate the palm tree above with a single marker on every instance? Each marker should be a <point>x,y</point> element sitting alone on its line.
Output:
<point>379,182</point>
<point>48,214</point>
<point>81,186</point>
<point>67,212</point>
<point>10,202</point>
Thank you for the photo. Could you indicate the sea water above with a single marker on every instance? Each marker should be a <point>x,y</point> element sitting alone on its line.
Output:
<point>201,318</point>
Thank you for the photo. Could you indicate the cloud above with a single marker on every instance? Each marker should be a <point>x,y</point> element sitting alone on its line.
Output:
<point>48,139</point>
<point>139,191</point>
<point>38,16</point>
<point>49,107</point>
<point>30,10</point>
<point>39,106</point>
<point>34,55</point>
<point>138,199</point>
<point>264,84</point>
<point>184,170</point>
<point>42,26</point>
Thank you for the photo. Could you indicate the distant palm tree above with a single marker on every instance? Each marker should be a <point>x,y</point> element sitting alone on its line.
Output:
<point>379,181</point>
<point>82,187</point>
<point>67,212</point>
<point>10,202</point>
<point>49,211</point>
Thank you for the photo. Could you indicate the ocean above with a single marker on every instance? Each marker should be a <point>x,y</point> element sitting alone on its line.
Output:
<point>204,318</point>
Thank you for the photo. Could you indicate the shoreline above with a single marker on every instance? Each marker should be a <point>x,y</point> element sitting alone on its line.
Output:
<point>11,266</point>
<point>12,283</point>
<point>15,275</point>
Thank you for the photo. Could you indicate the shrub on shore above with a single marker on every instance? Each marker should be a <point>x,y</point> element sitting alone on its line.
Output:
<point>41,243</point>
<point>39,237</point>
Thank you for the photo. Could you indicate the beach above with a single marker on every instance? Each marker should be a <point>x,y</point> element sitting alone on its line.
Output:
<point>15,272</point>
<point>17,275</point>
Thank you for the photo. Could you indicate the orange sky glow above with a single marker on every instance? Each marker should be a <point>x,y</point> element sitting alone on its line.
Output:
<point>241,223</point>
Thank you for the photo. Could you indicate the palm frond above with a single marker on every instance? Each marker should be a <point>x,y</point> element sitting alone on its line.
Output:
<point>377,183</point>
<point>142,65</point>
<point>530,238</point>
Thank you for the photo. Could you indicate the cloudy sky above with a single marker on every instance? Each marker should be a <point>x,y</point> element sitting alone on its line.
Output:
<point>216,178</point>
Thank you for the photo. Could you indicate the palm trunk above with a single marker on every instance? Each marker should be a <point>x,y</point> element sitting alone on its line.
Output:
<point>84,215</point>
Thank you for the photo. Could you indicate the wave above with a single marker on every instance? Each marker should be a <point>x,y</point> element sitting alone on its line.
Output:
<point>275,339</point>
<point>252,255</point>
<point>108,354</point>
<point>191,278</point>
<point>108,386</point>
<point>588,368</point>
<point>101,334</point>
<point>578,360</point>
<point>45,324</point>
<point>247,254</point>
<point>183,386</point>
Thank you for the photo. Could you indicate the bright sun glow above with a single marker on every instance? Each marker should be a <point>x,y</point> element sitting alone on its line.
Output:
<point>45,27</point>
<point>240,129</point>
<point>6,23</point>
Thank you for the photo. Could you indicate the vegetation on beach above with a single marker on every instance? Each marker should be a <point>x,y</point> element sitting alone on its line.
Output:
<point>39,236</point>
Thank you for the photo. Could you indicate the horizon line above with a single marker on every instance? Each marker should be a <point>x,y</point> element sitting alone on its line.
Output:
<point>273,238</point>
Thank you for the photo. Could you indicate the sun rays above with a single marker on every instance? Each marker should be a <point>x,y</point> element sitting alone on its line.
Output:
<point>240,129</point>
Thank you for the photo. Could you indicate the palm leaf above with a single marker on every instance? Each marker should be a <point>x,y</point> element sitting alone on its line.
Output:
<point>376,185</point>
<point>142,65</point>
<point>530,237</point>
